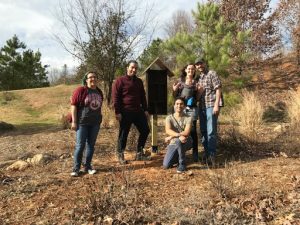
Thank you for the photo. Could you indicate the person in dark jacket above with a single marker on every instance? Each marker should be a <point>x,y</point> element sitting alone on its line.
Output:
<point>86,103</point>
<point>130,104</point>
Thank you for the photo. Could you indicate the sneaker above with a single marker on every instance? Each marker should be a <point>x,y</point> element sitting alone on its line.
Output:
<point>181,169</point>
<point>91,171</point>
<point>75,174</point>
<point>211,161</point>
<point>121,158</point>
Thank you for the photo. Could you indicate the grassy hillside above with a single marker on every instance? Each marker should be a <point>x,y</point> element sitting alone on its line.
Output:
<point>40,106</point>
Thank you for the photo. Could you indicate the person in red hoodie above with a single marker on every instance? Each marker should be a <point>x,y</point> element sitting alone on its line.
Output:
<point>86,103</point>
<point>130,104</point>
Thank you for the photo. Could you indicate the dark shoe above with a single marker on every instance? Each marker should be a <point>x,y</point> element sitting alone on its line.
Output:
<point>121,158</point>
<point>211,161</point>
<point>181,169</point>
<point>140,156</point>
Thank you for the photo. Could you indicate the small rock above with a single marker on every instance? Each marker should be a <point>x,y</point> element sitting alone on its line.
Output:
<point>190,173</point>
<point>108,220</point>
<point>155,223</point>
<point>39,159</point>
<point>18,165</point>
<point>278,128</point>
<point>283,154</point>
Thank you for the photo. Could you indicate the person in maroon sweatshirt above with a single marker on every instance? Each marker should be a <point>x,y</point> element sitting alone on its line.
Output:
<point>130,104</point>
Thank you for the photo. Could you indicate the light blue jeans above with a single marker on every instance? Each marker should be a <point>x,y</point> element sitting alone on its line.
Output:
<point>208,129</point>
<point>176,153</point>
<point>85,135</point>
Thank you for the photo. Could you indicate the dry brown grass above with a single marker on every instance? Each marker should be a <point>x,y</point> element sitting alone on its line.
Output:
<point>249,115</point>
<point>39,105</point>
<point>108,116</point>
<point>293,108</point>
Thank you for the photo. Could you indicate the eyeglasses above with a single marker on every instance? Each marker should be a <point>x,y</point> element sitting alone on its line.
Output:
<point>92,77</point>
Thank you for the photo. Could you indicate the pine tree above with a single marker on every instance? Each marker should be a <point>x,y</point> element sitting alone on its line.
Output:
<point>20,68</point>
<point>152,52</point>
<point>215,37</point>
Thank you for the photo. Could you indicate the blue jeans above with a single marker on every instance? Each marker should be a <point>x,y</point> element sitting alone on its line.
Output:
<point>208,129</point>
<point>176,153</point>
<point>85,135</point>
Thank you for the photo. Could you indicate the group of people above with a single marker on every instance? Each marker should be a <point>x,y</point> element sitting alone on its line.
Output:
<point>195,97</point>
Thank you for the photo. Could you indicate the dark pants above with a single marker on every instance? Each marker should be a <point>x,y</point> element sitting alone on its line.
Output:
<point>140,121</point>
<point>195,140</point>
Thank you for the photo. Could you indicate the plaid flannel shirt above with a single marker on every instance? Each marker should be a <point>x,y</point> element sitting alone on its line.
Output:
<point>210,82</point>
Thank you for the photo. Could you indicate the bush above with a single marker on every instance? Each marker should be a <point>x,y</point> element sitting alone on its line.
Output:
<point>275,113</point>
<point>249,115</point>
<point>6,127</point>
<point>293,108</point>
<point>231,99</point>
<point>6,97</point>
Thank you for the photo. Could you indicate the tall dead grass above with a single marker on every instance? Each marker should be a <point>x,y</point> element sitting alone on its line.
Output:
<point>249,115</point>
<point>108,116</point>
<point>293,108</point>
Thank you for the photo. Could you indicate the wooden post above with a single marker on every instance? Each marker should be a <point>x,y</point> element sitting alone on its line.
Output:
<point>154,133</point>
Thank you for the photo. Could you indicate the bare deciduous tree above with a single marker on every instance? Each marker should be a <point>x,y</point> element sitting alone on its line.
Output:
<point>257,17</point>
<point>181,21</point>
<point>103,34</point>
<point>288,12</point>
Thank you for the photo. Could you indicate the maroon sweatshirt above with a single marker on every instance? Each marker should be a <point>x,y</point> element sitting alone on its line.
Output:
<point>128,95</point>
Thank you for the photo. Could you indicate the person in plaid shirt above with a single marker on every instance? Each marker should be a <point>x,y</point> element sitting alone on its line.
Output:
<point>209,109</point>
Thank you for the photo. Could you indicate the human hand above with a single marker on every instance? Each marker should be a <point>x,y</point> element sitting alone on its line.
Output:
<point>118,117</point>
<point>183,139</point>
<point>168,139</point>
<point>199,88</point>
<point>216,110</point>
<point>73,126</point>
<point>147,114</point>
<point>176,86</point>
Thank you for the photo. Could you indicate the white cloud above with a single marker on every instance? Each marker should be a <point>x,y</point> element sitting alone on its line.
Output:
<point>33,21</point>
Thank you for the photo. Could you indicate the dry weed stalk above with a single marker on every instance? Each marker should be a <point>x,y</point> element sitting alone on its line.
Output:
<point>115,198</point>
<point>228,183</point>
<point>293,108</point>
<point>249,115</point>
<point>108,116</point>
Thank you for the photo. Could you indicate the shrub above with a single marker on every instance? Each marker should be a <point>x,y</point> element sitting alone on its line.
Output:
<point>108,116</point>
<point>6,97</point>
<point>249,115</point>
<point>293,108</point>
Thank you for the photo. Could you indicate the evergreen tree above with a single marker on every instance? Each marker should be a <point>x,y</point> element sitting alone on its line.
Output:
<point>20,68</point>
<point>150,53</point>
<point>211,39</point>
<point>214,37</point>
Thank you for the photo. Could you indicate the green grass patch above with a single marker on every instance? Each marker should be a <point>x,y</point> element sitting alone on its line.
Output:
<point>6,97</point>
<point>33,112</point>
<point>240,82</point>
<point>275,113</point>
<point>231,99</point>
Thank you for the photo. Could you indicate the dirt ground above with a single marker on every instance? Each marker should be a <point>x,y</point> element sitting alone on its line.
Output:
<point>264,190</point>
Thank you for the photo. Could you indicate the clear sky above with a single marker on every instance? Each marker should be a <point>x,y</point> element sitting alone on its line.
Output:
<point>34,22</point>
